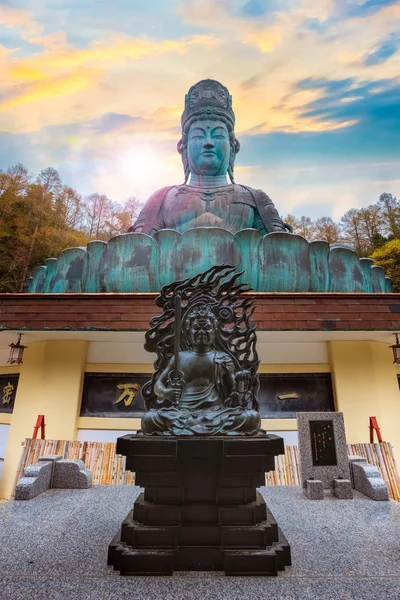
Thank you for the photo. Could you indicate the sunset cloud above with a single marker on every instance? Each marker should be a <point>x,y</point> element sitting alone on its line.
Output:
<point>91,89</point>
<point>17,18</point>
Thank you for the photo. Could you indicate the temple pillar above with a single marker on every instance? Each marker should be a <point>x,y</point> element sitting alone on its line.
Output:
<point>365,385</point>
<point>50,383</point>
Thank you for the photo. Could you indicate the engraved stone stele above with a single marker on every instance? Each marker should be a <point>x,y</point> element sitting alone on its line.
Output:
<point>201,454</point>
<point>183,228</point>
<point>323,448</point>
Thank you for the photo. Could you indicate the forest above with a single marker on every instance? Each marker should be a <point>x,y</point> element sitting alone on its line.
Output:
<point>40,217</point>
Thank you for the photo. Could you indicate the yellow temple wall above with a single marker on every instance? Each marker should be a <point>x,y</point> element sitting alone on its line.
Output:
<point>364,381</point>
<point>50,383</point>
<point>365,385</point>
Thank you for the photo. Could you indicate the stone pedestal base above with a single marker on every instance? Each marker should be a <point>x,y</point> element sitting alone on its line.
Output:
<point>200,510</point>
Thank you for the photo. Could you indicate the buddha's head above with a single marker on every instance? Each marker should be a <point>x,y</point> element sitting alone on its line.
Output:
<point>208,145</point>
<point>201,329</point>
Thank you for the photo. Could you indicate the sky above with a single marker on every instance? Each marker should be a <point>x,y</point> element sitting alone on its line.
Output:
<point>96,89</point>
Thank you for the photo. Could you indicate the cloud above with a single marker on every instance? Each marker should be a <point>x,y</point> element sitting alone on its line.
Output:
<point>62,71</point>
<point>17,18</point>
<point>50,87</point>
<point>364,9</point>
<point>386,49</point>
<point>374,104</point>
<point>88,87</point>
<point>242,21</point>
<point>250,83</point>
<point>113,122</point>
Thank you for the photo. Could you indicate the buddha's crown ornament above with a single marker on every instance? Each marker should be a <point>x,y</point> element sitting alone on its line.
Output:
<point>208,98</point>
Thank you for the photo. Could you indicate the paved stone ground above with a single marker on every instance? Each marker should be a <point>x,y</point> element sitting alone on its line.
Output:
<point>55,546</point>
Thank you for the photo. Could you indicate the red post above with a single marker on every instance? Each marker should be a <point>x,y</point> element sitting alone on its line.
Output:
<point>39,423</point>
<point>373,426</point>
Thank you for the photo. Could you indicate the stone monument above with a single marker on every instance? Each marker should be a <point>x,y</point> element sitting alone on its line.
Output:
<point>201,454</point>
<point>324,463</point>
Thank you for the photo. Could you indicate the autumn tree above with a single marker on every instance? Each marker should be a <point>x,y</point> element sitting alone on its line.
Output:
<point>303,226</point>
<point>326,229</point>
<point>352,231</point>
<point>97,211</point>
<point>390,211</point>
<point>128,213</point>
<point>30,226</point>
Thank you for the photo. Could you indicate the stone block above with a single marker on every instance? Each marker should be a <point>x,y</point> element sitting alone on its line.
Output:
<point>36,480</point>
<point>200,509</point>
<point>355,459</point>
<point>71,474</point>
<point>343,489</point>
<point>368,481</point>
<point>50,457</point>
<point>314,489</point>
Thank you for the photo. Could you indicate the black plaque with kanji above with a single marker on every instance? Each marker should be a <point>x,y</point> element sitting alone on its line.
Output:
<point>323,443</point>
<point>8,390</point>
<point>113,395</point>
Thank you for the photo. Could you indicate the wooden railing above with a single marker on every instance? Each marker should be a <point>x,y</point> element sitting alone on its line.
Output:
<point>108,468</point>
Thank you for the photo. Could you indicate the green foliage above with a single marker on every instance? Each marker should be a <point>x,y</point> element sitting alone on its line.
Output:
<point>388,257</point>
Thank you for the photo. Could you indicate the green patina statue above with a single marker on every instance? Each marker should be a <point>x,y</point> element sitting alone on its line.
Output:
<point>185,229</point>
<point>205,381</point>
<point>208,148</point>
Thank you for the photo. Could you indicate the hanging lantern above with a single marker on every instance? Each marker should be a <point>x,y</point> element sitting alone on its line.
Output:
<point>396,350</point>
<point>16,352</point>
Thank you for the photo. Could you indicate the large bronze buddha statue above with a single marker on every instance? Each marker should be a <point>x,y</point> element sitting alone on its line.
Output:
<point>206,199</point>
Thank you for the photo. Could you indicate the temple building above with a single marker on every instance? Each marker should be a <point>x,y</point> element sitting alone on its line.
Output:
<point>325,317</point>
<point>84,364</point>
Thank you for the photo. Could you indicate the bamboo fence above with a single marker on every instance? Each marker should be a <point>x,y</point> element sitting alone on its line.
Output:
<point>108,468</point>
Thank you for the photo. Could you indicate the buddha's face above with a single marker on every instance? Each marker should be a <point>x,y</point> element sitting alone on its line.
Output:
<point>202,332</point>
<point>208,147</point>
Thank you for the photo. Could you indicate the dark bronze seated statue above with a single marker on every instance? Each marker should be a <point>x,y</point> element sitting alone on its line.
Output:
<point>207,383</point>
<point>208,148</point>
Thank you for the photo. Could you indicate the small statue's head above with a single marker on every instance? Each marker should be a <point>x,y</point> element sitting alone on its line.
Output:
<point>208,145</point>
<point>201,328</point>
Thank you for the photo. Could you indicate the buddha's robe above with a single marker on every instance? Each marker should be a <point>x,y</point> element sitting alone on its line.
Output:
<point>203,412</point>
<point>233,207</point>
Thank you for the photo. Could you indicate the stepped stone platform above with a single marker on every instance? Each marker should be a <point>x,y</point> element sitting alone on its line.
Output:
<point>55,546</point>
<point>200,509</point>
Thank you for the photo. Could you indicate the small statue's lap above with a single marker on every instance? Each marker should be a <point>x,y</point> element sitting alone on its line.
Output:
<point>226,421</point>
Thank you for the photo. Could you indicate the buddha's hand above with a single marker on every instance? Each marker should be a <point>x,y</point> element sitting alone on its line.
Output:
<point>173,390</point>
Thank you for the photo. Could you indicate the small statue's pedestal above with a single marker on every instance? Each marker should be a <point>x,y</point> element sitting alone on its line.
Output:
<point>200,509</point>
